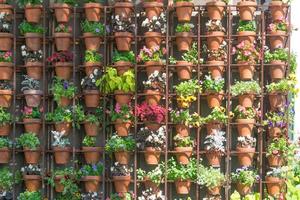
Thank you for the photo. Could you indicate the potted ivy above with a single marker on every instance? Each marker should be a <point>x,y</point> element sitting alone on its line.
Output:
<point>152,142</point>
<point>31,147</point>
<point>276,152</point>
<point>62,10</point>
<point>123,61</point>
<point>91,176</point>
<point>5,122</point>
<point>121,147</point>
<point>184,10</point>
<point>33,62</point>
<point>216,60</point>
<point>33,35</point>
<point>121,177</point>
<point>61,147</point>
<point>63,91</point>
<point>92,122</point>
<point>213,180</point>
<point>32,119</point>
<point>30,195</point>
<point>62,62</point>
<point>90,90</point>
<point>215,147</point>
<point>90,150</point>
<point>5,94</point>
<point>246,9</point>
<point>216,8</point>
<point>277,123</point>
<point>63,37</point>
<point>186,92</point>
<point>183,147</point>
<point>277,60</point>
<point>5,150</point>
<point>33,9</point>
<point>245,150</point>
<point>275,180</point>
<point>6,39</point>
<point>122,117</point>
<point>123,8</point>
<point>32,177</point>
<point>92,61</point>
<point>216,119</point>
<point>92,34</point>
<point>184,36</point>
<point>32,91</point>
<point>62,119</point>
<point>244,178</point>
<point>8,180</point>
<point>92,10</point>
<point>245,118</point>
<point>278,9</point>
<point>246,31</point>
<point>215,34</point>
<point>154,86</point>
<point>277,31</point>
<point>153,178</point>
<point>6,65</point>
<point>214,90</point>
<point>153,8</point>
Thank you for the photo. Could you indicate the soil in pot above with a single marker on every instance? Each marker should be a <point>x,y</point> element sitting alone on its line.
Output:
<point>245,155</point>
<point>33,13</point>
<point>246,100</point>
<point>92,42</point>
<point>91,98</point>
<point>91,129</point>
<point>32,125</point>
<point>275,160</point>
<point>277,100</point>
<point>63,70</point>
<point>278,10</point>
<point>62,155</point>
<point>184,11</point>
<point>34,69</point>
<point>152,39</point>
<point>62,12</point>
<point>123,40</point>
<point>213,158</point>
<point>246,9</point>
<point>277,39</point>
<point>274,185</point>
<point>122,157</point>
<point>121,183</point>
<point>89,67</point>
<point>153,8</point>
<point>277,70</point>
<point>246,71</point>
<point>4,155</point>
<point>32,156</point>
<point>91,183</point>
<point>91,154</point>
<point>33,41</point>
<point>183,186</point>
<point>183,154</point>
<point>214,99</point>
<point>152,66</point>
<point>123,9</point>
<point>245,126</point>
<point>63,126</point>
<point>122,98</point>
<point>216,68</point>
<point>33,97</point>
<point>6,71</point>
<point>122,67</point>
<point>184,70</point>
<point>214,39</point>
<point>184,41</point>
<point>122,128</point>
<point>5,129</point>
<point>210,126</point>
<point>153,97</point>
<point>92,11</point>
<point>32,182</point>
<point>62,41</point>
<point>182,130</point>
<point>5,98</point>
<point>152,156</point>
<point>6,41</point>
<point>248,37</point>
<point>243,189</point>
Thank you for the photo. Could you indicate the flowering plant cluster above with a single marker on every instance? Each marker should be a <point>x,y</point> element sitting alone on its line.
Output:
<point>184,117</point>
<point>31,170</point>
<point>156,24</point>
<point>219,54</point>
<point>91,169</point>
<point>32,112</point>
<point>149,138</point>
<point>186,92</point>
<point>5,24</point>
<point>120,170</point>
<point>278,146</point>
<point>122,112</point>
<point>156,81</point>
<point>215,142</point>
<point>59,140</point>
<point>149,194</point>
<point>278,26</point>
<point>91,196</point>
<point>63,28</point>
<point>279,54</point>
<point>117,143</point>
<point>96,28</point>
<point>63,56</point>
<point>156,175</point>
<point>245,176</point>
<point>284,85</point>
<point>276,119</point>
<point>89,81</point>
<point>150,113</point>
<point>280,172</point>
<point>245,87</point>
<point>246,52</point>
<point>213,85</point>
<point>121,24</point>
<point>31,56</point>
<point>92,56</point>
<point>6,56</point>
<point>190,56</point>
<point>153,54</point>
<point>215,25</point>
<point>217,114</point>
<point>63,88</point>
<point>180,141</point>
<point>246,141</point>
<point>241,112</point>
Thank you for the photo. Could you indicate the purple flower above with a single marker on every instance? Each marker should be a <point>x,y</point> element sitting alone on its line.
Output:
<point>66,85</point>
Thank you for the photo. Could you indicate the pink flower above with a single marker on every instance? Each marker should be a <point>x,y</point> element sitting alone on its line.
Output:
<point>233,51</point>
<point>247,53</point>
<point>118,108</point>
<point>241,45</point>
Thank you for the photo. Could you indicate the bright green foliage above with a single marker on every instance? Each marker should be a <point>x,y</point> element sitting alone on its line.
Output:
<point>217,114</point>
<point>188,88</point>
<point>212,177</point>
<point>185,27</point>
<point>180,141</point>
<point>26,27</point>
<point>30,195</point>
<point>213,85</point>
<point>29,140</point>
<point>278,54</point>
<point>7,180</point>
<point>127,56</point>
<point>244,176</point>
<point>92,56</point>
<point>246,26</point>
<point>245,87</point>
<point>5,116</point>
<point>278,146</point>
<point>156,175</point>
<point>89,141</point>
<point>62,88</point>
<point>184,117</point>
<point>117,143</point>
<point>176,171</point>
<point>5,142</point>
<point>60,114</point>
<point>96,28</point>
<point>91,170</point>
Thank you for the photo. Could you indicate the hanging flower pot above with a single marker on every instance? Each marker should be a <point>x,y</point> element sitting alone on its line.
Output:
<point>122,66</point>
<point>122,128</point>
<point>32,182</point>
<point>184,41</point>
<point>121,183</point>
<point>246,100</point>
<point>184,70</point>
<point>213,125</point>
<point>214,191</point>
<point>151,185</point>
<point>6,70</point>
<point>245,126</point>
<point>213,158</point>
<point>59,187</point>
<point>216,68</point>
<point>152,156</point>
<point>277,100</point>
<point>33,97</point>
<point>91,183</point>
<point>183,186</point>
<point>62,155</point>
<point>246,36</point>
<point>153,97</point>
<point>92,11</point>
<point>215,10</point>
<point>277,70</point>
<point>215,39</point>
<point>275,160</point>
<point>122,157</point>
<point>274,132</point>
<point>62,41</point>
<point>246,71</point>
<point>32,125</point>
<point>91,98</point>
<point>5,129</point>
<point>243,189</point>
<point>152,126</point>
<point>245,155</point>
<point>62,12</point>
<point>4,155</point>
<point>123,40</point>
<point>274,185</point>
<point>152,66</point>
<point>32,156</point>
<point>6,41</point>
<point>277,39</point>
<point>33,41</point>
<point>7,9</point>
<point>91,129</point>
<point>278,10</point>
<point>64,101</point>
<point>184,10</point>
<point>215,99</point>
<point>152,39</point>
<point>5,98</point>
<point>91,66</point>
<point>183,154</point>
<point>92,42</point>
<point>91,154</point>
<point>63,127</point>
<point>246,9</point>
<point>34,69</point>
<point>122,98</point>
<point>153,8</point>
<point>33,13</point>
<point>123,9</point>
<point>63,70</point>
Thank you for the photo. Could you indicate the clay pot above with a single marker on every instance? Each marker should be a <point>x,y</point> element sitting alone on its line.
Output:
<point>243,189</point>
<point>277,100</point>
<point>214,99</point>
<point>34,70</point>
<point>64,101</point>
<point>278,10</point>
<point>245,126</point>
<point>248,37</point>
<point>33,41</point>
<point>277,70</point>
<point>183,186</point>
<point>123,40</point>
<point>152,126</point>
<point>32,125</point>
<point>92,11</point>
<point>91,183</point>
<point>122,157</point>
<point>216,69</point>
<point>123,9</point>
<point>245,155</point>
<point>4,155</point>
<point>274,132</point>
<point>5,98</point>
<point>246,9</point>
<point>6,70</point>
<point>63,126</point>
<point>152,156</point>
<point>213,158</point>
<point>215,9</point>
<point>152,39</point>
<point>7,9</point>
<point>152,66</point>
<point>184,70</point>
<point>277,39</point>
<point>32,156</point>
<point>63,70</point>
<point>213,125</point>
<point>153,8</point>
<point>214,39</point>
<point>6,41</point>
<point>91,98</point>
<point>91,154</point>
<point>5,129</point>
<point>153,97</point>
<point>62,155</point>
<point>33,97</point>
<point>184,41</point>
<point>91,129</point>
<point>89,67</point>
<point>214,191</point>
<point>121,183</point>
<point>122,128</point>
<point>151,185</point>
<point>92,42</point>
<point>122,67</point>
<point>184,11</point>
<point>275,160</point>
<point>246,71</point>
<point>246,100</point>
<point>62,12</point>
<point>62,41</point>
<point>183,154</point>
<point>58,186</point>
<point>122,98</point>
<point>274,185</point>
<point>32,182</point>
<point>33,13</point>
<point>182,130</point>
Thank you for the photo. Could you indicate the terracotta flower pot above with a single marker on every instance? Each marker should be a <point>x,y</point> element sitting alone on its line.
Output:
<point>64,101</point>
<point>182,130</point>
<point>274,132</point>
<point>6,71</point>
<point>4,155</point>
<point>213,125</point>
<point>278,10</point>
<point>122,157</point>
<point>214,191</point>
<point>245,155</point>
<point>246,36</point>
<point>5,98</point>
<point>91,98</point>
<point>184,70</point>
<point>275,160</point>
<point>33,13</point>
<point>7,9</point>
<point>152,66</point>
<point>32,182</point>
<point>277,70</point>
<point>215,99</point>
<point>91,154</point>
<point>33,41</point>
<point>62,12</point>
<point>121,183</point>
<point>91,129</point>
<point>123,40</point>
<point>245,126</point>
<point>92,11</point>
<point>89,67</point>
<point>91,183</point>
<point>32,125</point>
<point>216,68</point>
<point>277,39</point>
<point>34,69</point>
<point>246,71</point>
<point>246,9</point>
<point>184,41</point>
<point>32,156</point>
<point>122,128</point>
<point>122,98</point>
<point>63,70</point>
<point>62,155</point>
<point>63,126</point>
<point>92,42</point>
<point>151,185</point>
<point>62,41</point>
<point>153,8</point>
<point>182,186</point>
<point>215,9</point>
<point>5,129</point>
<point>214,39</point>
<point>152,126</point>
<point>6,41</point>
<point>246,100</point>
<point>243,189</point>
<point>58,186</point>
<point>152,156</point>
<point>277,100</point>
<point>33,97</point>
<point>274,185</point>
<point>123,9</point>
<point>183,154</point>
<point>122,67</point>
<point>152,39</point>
<point>184,11</point>
<point>153,97</point>
<point>213,158</point>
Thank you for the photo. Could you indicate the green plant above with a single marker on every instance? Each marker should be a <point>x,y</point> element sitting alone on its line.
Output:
<point>92,56</point>
<point>60,114</point>
<point>63,28</point>
<point>212,177</point>
<point>91,170</point>
<point>127,56</point>
<point>117,143</point>
<point>96,28</point>
<point>29,140</point>
<point>278,146</point>
<point>236,196</point>
<point>245,176</point>
<point>245,87</point>
<point>241,112</point>
<point>184,117</point>
<point>185,27</point>
<point>278,54</point>
<point>151,54</point>
<point>93,119</point>
<point>5,117</point>
<point>23,3</point>
<point>89,141</point>
<point>284,85</point>
<point>176,171</point>
<point>5,142</point>
<point>123,113</point>
<point>27,195</point>
<point>69,2</point>
<point>180,141</point>
<point>31,112</point>
<point>8,179</point>
<point>278,26</point>
<point>217,114</point>
<point>246,26</point>
<point>188,88</point>
<point>156,175</point>
<point>213,85</point>
<point>26,27</point>
<point>6,56</point>
<point>188,56</point>
<point>62,88</point>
